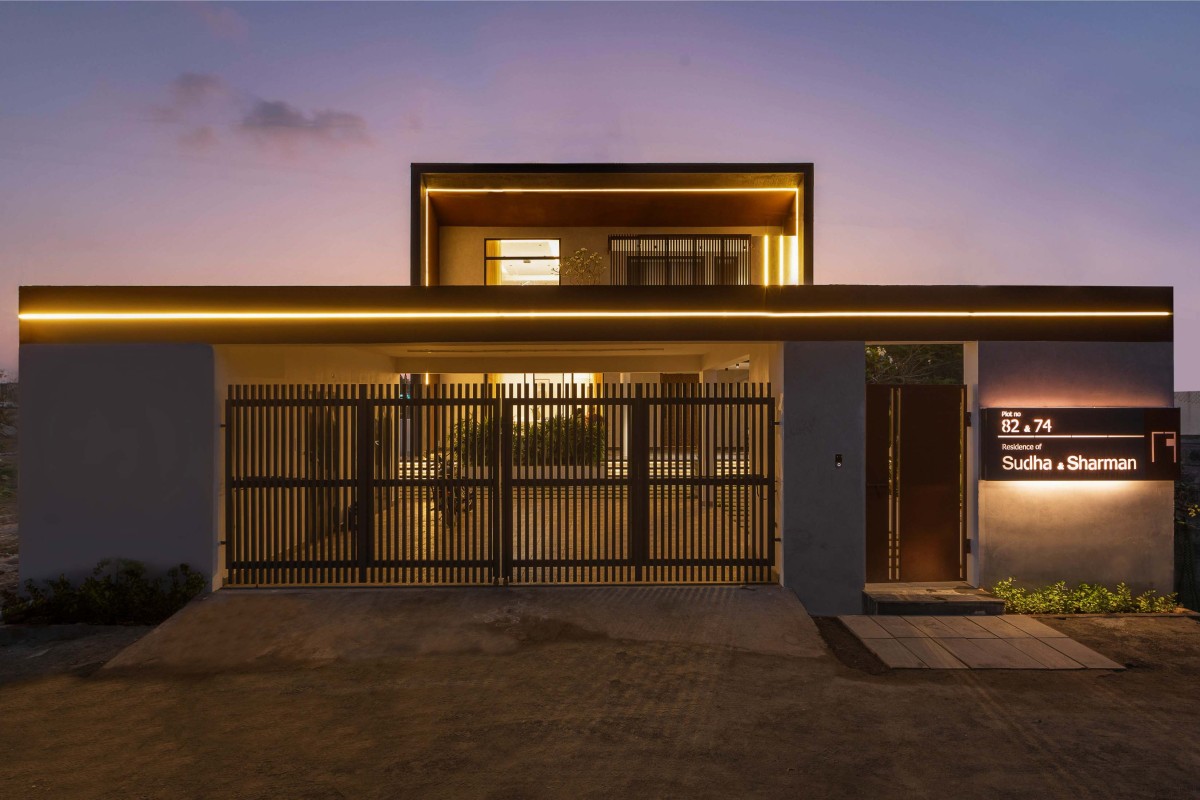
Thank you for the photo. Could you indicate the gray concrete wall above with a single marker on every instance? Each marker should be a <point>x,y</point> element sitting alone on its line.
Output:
<point>117,458</point>
<point>1094,531</point>
<point>822,410</point>
<point>1188,404</point>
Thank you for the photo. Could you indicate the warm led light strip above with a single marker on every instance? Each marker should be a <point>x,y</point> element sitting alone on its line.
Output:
<point>616,190</point>
<point>153,316</point>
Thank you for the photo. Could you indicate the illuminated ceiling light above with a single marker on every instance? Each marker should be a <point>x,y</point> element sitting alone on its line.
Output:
<point>202,316</point>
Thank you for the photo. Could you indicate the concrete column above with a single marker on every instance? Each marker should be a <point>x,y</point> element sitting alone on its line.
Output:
<point>822,389</point>
<point>118,457</point>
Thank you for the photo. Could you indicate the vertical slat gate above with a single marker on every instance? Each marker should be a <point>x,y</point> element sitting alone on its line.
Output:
<point>479,484</point>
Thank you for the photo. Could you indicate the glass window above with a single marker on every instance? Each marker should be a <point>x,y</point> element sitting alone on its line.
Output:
<point>521,262</point>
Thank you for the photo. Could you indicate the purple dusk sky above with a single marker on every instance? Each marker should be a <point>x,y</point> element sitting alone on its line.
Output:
<point>269,143</point>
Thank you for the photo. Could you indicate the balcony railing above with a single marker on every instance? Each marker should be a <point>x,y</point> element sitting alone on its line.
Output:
<point>680,260</point>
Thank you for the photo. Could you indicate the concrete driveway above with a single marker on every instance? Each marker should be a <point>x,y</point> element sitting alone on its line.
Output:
<point>240,629</point>
<point>586,693</point>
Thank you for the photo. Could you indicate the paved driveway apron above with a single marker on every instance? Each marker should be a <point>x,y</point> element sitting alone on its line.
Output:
<point>979,642</point>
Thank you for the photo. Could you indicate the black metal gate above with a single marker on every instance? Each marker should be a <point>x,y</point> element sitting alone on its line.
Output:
<point>482,484</point>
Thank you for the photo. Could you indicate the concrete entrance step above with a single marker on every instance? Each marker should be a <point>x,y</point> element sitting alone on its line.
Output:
<point>952,598</point>
<point>983,642</point>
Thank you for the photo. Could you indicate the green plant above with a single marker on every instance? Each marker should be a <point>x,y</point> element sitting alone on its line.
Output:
<point>118,592</point>
<point>470,441</point>
<point>915,363</point>
<point>1086,598</point>
<point>571,439</point>
<point>583,267</point>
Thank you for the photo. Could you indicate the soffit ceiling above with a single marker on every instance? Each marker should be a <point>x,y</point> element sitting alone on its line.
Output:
<point>632,209</point>
<point>612,180</point>
<point>470,350</point>
<point>529,199</point>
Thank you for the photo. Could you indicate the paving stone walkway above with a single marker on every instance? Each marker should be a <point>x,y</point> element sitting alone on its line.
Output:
<point>977,642</point>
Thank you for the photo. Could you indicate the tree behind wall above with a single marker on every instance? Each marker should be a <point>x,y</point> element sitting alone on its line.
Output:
<point>915,363</point>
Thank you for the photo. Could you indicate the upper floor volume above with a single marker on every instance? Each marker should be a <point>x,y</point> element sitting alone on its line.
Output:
<point>612,224</point>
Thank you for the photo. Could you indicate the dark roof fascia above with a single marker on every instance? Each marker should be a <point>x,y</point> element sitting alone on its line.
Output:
<point>708,318</point>
<point>585,168</point>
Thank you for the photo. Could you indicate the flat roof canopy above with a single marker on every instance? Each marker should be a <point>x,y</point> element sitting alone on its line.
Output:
<point>391,314</point>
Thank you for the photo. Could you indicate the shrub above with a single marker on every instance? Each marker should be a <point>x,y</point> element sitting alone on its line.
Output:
<point>575,439</point>
<point>471,441</point>
<point>1086,598</point>
<point>578,438</point>
<point>118,592</point>
<point>583,267</point>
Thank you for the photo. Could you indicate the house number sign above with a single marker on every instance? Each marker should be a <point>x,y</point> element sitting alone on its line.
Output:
<point>1079,444</point>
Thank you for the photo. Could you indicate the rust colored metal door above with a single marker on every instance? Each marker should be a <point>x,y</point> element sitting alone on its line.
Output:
<point>879,482</point>
<point>916,480</point>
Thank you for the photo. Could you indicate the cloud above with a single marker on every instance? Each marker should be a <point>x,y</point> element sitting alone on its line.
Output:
<point>197,88</point>
<point>277,122</point>
<point>189,95</point>
<point>202,107</point>
<point>201,139</point>
<point>222,21</point>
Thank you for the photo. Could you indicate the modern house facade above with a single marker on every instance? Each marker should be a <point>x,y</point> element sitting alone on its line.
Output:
<point>600,373</point>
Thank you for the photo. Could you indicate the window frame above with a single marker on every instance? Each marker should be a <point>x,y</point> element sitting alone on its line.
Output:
<point>487,259</point>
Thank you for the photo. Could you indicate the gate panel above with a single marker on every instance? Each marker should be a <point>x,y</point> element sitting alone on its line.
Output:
<point>432,483</point>
<point>473,484</point>
<point>568,475</point>
<point>313,498</point>
<point>711,494</point>
<point>290,485</point>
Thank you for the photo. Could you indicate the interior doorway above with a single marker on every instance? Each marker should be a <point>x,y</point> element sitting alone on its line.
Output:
<point>916,483</point>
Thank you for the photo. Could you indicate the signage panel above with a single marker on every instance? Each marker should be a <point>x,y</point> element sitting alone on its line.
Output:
<point>1079,444</point>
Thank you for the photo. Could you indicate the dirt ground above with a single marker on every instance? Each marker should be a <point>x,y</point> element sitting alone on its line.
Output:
<point>524,701</point>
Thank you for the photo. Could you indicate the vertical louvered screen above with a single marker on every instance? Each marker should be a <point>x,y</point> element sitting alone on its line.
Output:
<point>680,260</point>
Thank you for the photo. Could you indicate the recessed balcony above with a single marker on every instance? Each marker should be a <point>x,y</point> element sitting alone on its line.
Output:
<point>633,225</point>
